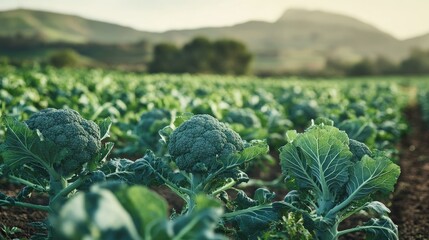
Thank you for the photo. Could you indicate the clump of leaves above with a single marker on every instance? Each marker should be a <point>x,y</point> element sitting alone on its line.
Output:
<point>334,178</point>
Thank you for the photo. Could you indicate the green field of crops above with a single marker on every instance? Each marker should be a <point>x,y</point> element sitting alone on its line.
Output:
<point>329,144</point>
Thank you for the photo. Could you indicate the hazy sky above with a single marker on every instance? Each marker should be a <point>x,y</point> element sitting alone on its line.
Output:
<point>402,18</point>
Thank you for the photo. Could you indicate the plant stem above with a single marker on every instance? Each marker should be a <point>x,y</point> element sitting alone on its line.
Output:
<point>360,228</point>
<point>28,183</point>
<point>28,205</point>
<point>238,212</point>
<point>224,187</point>
<point>260,183</point>
<point>56,185</point>
<point>65,191</point>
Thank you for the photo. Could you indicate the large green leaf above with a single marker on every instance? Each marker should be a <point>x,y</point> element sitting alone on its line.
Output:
<point>381,229</point>
<point>26,150</point>
<point>318,159</point>
<point>143,205</point>
<point>95,215</point>
<point>370,175</point>
<point>359,129</point>
<point>253,216</point>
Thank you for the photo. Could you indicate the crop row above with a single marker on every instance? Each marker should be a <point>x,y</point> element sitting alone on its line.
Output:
<point>331,167</point>
<point>140,105</point>
<point>330,177</point>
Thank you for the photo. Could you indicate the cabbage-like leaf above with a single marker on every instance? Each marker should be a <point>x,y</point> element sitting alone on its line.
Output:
<point>377,209</point>
<point>253,216</point>
<point>359,129</point>
<point>381,229</point>
<point>370,175</point>
<point>26,152</point>
<point>318,159</point>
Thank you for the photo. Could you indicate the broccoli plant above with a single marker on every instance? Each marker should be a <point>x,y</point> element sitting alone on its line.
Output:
<point>334,178</point>
<point>54,151</point>
<point>210,155</point>
<point>116,211</point>
<point>207,158</point>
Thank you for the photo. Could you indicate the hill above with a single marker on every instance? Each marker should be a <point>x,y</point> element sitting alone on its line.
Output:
<point>301,38</point>
<point>298,39</point>
<point>68,28</point>
<point>418,42</point>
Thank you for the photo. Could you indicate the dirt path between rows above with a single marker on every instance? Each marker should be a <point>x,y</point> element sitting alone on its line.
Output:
<point>410,209</point>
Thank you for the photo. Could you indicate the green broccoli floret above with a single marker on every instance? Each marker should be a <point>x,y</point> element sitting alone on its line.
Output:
<point>200,141</point>
<point>77,137</point>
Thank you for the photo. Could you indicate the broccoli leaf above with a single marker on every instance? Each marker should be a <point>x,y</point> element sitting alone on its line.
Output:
<point>381,228</point>
<point>253,216</point>
<point>255,148</point>
<point>25,149</point>
<point>104,126</point>
<point>370,175</point>
<point>334,182</point>
<point>359,129</point>
<point>318,159</point>
<point>155,208</point>
<point>377,208</point>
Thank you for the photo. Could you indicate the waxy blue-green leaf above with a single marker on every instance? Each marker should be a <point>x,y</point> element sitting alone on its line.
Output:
<point>370,175</point>
<point>381,229</point>
<point>253,216</point>
<point>359,129</point>
<point>318,159</point>
<point>377,209</point>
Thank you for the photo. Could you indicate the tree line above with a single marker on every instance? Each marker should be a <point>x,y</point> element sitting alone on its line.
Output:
<point>417,63</point>
<point>201,55</point>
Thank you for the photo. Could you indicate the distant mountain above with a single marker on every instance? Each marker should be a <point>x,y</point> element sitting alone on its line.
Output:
<point>418,42</point>
<point>62,27</point>
<point>298,39</point>
<point>301,38</point>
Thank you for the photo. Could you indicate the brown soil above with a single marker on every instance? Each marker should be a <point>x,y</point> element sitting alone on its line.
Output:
<point>18,216</point>
<point>410,209</point>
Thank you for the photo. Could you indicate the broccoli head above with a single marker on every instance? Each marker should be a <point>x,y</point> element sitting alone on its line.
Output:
<point>77,137</point>
<point>200,141</point>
